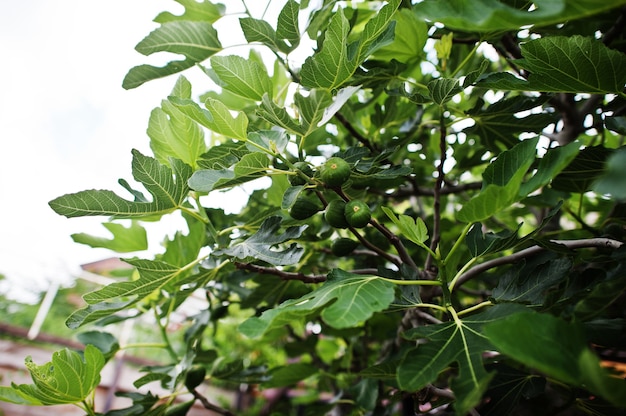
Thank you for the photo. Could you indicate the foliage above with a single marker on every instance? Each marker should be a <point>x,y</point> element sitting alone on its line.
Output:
<point>486,140</point>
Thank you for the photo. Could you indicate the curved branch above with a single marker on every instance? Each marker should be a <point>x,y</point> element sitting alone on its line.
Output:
<point>210,406</point>
<point>531,251</point>
<point>318,278</point>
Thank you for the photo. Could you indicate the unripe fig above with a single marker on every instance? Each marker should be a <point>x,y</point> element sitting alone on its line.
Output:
<point>335,214</point>
<point>335,172</point>
<point>357,213</point>
<point>303,208</point>
<point>343,246</point>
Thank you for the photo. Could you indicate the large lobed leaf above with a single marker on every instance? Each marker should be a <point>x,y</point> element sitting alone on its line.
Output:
<point>115,297</point>
<point>168,187</point>
<point>346,300</point>
<point>461,341</point>
<point>196,41</point>
<point>261,245</point>
<point>501,183</point>
<point>565,64</point>
<point>494,15</point>
<point>337,60</point>
<point>125,239</point>
<point>173,134</point>
<point>68,378</point>
<point>556,348</point>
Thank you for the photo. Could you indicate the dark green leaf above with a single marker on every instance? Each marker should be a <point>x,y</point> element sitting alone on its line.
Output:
<point>530,282</point>
<point>495,16</point>
<point>260,246</point>
<point>443,89</point>
<point>105,342</point>
<point>565,64</point>
<point>461,341</point>
<point>536,340</point>
<point>346,300</point>
<point>501,183</point>
<point>616,124</point>
<point>289,375</point>
<point>580,174</point>
<point>612,181</point>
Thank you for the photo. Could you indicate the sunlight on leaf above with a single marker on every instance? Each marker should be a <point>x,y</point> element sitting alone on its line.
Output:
<point>167,186</point>
<point>346,300</point>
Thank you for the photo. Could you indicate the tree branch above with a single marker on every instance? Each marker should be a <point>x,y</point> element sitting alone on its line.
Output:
<point>210,406</point>
<point>362,139</point>
<point>437,192</point>
<point>280,273</point>
<point>531,251</point>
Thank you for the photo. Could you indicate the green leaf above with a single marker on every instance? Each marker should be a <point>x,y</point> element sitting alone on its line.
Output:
<point>312,109</point>
<point>217,117</point>
<point>443,89</point>
<point>251,166</point>
<point>409,40</point>
<point>494,15</point>
<point>195,40</point>
<point>125,240</point>
<point>499,125</point>
<point>536,340</point>
<point>260,245</point>
<point>289,375</point>
<point>256,30</point>
<point>203,11</point>
<point>68,378</point>
<point>288,28</point>
<point>110,299</point>
<point>105,342</point>
<point>550,165</point>
<point>15,396</point>
<point>501,183</point>
<point>461,341</point>
<point>616,124</point>
<point>278,115</point>
<point>480,244</point>
<point>412,229</point>
<point>581,173</point>
<point>168,187</point>
<point>531,281</point>
<point>337,61</point>
<point>347,300</point>
<point>599,298</point>
<point>612,180</point>
<point>242,76</point>
<point>271,142</point>
<point>172,133</point>
<point>565,64</point>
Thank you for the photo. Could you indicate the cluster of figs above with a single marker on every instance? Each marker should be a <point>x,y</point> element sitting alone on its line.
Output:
<point>338,213</point>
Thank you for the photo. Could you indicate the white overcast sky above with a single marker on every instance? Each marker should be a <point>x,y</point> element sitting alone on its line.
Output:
<point>67,125</point>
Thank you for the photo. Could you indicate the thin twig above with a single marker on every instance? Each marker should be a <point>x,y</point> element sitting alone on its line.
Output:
<point>437,193</point>
<point>531,251</point>
<point>210,406</point>
<point>362,139</point>
<point>280,273</point>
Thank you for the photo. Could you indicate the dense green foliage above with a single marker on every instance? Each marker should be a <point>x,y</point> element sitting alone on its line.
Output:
<point>471,260</point>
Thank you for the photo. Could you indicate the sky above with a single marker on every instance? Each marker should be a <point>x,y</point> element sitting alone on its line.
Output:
<point>66,125</point>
